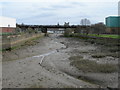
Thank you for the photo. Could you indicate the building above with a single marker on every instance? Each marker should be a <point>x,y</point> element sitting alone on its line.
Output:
<point>7,25</point>
<point>113,24</point>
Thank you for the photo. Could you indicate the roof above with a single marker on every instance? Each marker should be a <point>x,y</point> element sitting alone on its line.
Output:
<point>113,21</point>
<point>113,17</point>
<point>7,22</point>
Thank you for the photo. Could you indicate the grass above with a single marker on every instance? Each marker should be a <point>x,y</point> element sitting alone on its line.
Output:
<point>102,55</point>
<point>9,33</point>
<point>105,35</point>
<point>92,66</point>
<point>96,35</point>
<point>90,80</point>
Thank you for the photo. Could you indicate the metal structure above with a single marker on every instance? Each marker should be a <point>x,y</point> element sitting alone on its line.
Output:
<point>44,28</point>
<point>113,21</point>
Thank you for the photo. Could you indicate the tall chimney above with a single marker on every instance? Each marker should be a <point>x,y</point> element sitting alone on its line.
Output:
<point>119,8</point>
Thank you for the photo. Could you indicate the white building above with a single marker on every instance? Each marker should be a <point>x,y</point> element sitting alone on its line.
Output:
<point>7,24</point>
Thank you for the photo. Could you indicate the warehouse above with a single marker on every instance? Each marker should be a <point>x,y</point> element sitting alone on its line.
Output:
<point>7,25</point>
<point>113,24</point>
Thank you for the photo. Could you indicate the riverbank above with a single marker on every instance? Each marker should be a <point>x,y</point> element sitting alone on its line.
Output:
<point>10,42</point>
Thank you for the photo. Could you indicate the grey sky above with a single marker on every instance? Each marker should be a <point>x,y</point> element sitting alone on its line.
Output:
<point>54,11</point>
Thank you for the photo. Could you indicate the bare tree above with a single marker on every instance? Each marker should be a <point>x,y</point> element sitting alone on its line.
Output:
<point>85,22</point>
<point>99,28</point>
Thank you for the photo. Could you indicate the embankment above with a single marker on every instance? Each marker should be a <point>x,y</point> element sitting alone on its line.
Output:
<point>13,41</point>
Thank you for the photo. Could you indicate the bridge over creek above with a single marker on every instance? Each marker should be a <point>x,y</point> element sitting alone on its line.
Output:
<point>45,28</point>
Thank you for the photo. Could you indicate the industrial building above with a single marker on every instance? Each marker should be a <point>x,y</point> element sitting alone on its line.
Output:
<point>113,24</point>
<point>7,25</point>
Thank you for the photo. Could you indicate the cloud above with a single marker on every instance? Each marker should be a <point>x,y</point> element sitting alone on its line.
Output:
<point>54,11</point>
<point>59,0</point>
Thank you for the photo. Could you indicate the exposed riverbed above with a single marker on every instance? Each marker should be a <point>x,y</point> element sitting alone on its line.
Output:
<point>47,65</point>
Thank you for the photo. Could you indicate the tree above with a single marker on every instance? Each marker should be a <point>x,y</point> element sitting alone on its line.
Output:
<point>68,31</point>
<point>99,28</point>
<point>18,30</point>
<point>85,22</point>
<point>58,24</point>
<point>30,30</point>
<point>77,29</point>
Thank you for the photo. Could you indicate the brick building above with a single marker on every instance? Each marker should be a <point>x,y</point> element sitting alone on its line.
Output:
<point>7,25</point>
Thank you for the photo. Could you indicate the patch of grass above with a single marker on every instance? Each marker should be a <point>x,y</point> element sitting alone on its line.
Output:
<point>90,80</point>
<point>96,35</point>
<point>105,35</point>
<point>92,66</point>
<point>15,47</point>
<point>75,58</point>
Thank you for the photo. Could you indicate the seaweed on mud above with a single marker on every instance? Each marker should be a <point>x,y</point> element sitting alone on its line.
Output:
<point>90,80</point>
<point>92,66</point>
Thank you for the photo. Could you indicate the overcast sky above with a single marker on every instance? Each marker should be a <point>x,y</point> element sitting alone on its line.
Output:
<point>54,11</point>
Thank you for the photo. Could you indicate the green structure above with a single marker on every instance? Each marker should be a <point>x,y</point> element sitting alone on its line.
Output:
<point>113,24</point>
<point>113,21</point>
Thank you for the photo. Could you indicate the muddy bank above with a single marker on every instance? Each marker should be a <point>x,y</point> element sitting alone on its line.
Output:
<point>47,64</point>
<point>94,61</point>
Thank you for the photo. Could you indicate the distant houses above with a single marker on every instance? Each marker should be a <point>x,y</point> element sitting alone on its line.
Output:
<point>7,25</point>
<point>113,24</point>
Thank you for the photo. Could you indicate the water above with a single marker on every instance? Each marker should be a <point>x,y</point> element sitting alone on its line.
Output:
<point>43,55</point>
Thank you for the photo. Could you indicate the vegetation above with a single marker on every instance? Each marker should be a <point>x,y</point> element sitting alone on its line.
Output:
<point>26,42</point>
<point>95,35</point>
<point>8,33</point>
<point>99,55</point>
<point>92,66</point>
<point>105,35</point>
<point>68,32</point>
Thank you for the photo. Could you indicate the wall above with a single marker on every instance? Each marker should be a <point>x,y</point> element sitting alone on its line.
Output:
<point>7,30</point>
<point>113,30</point>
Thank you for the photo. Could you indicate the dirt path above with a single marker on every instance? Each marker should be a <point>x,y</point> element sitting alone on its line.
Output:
<point>46,65</point>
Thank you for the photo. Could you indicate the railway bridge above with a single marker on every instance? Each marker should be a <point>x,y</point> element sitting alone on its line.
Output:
<point>45,28</point>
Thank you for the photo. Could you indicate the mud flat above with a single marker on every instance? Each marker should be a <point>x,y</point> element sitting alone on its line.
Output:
<point>51,63</point>
<point>95,62</point>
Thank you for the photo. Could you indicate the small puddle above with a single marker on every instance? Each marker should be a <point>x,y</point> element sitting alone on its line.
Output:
<point>43,55</point>
<point>46,54</point>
